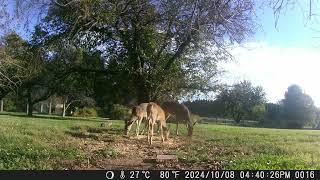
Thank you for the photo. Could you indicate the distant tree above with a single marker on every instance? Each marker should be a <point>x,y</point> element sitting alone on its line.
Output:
<point>75,90</point>
<point>241,100</point>
<point>207,108</point>
<point>298,107</point>
<point>273,111</point>
<point>258,112</point>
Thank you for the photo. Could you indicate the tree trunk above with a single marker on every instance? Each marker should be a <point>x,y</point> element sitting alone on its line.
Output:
<point>50,107</point>
<point>141,88</point>
<point>1,109</point>
<point>29,109</point>
<point>30,104</point>
<point>41,108</point>
<point>238,117</point>
<point>64,109</point>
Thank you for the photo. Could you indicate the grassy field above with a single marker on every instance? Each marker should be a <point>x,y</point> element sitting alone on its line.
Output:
<point>48,142</point>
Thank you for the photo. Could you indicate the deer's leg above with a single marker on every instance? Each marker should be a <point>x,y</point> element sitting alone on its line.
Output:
<point>161,131</point>
<point>149,128</point>
<point>145,124</point>
<point>138,125</point>
<point>177,128</point>
<point>128,129</point>
<point>158,128</point>
<point>151,133</point>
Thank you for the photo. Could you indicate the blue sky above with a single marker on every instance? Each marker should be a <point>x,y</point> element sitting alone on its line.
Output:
<point>275,58</point>
<point>294,27</point>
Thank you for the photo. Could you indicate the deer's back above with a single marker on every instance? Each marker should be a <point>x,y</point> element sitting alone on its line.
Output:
<point>140,110</point>
<point>179,110</point>
<point>156,111</point>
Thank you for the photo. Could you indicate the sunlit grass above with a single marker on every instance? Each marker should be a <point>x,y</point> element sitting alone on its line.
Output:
<point>43,142</point>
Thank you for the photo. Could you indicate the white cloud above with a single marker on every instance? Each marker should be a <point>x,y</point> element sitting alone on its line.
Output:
<point>275,68</point>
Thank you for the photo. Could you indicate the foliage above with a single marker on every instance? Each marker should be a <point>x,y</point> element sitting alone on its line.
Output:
<point>273,116</point>
<point>152,49</point>
<point>258,112</point>
<point>85,112</point>
<point>298,108</point>
<point>120,112</point>
<point>207,108</point>
<point>9,105</point>
<point>240,100</point>
<point>13,64</point>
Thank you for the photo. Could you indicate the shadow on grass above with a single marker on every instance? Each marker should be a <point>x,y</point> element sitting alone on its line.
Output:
<point>85,135</point>
<point>52,117</point>
<point>96,133</point>
<point>82,135</point>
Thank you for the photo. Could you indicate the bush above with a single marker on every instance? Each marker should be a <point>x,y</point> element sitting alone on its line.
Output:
<point>258,112</point>
<point>281,123</point>
<point>9,105</point>
<point>293,124</point>
<point>86,112</point>
<point>120,112</point>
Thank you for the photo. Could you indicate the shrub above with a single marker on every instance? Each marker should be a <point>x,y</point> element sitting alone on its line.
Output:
<point>86,112</point>
<point>9,105</point>
<point>120,112</point>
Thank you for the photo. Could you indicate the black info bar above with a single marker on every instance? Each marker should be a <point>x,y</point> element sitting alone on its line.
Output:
<point>160,174</point>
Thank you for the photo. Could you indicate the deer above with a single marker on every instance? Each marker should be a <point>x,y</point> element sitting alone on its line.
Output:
<point>156,114</point>
<point>138,114</point>
<point>182,114</point>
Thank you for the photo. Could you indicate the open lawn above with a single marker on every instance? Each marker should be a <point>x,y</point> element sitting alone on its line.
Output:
<point>48,142</point>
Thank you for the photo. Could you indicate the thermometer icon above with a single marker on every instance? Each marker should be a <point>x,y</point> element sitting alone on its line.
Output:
<point>122,176</point>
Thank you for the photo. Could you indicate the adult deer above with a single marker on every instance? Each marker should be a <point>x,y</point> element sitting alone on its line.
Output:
<point>138,114</point>
<point>156,114</point>
<point>182,114</point>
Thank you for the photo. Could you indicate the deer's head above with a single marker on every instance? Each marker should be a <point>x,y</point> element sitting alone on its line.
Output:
<point>190,126</point>
<point>128,123</point>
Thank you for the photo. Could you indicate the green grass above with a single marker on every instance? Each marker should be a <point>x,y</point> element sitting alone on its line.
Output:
<point>257,148</point>
<point>109,152</point>
<point>44,142</point>
<point>40,142</point>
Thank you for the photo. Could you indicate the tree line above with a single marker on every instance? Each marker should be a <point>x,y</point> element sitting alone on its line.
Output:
<point>243,101</point>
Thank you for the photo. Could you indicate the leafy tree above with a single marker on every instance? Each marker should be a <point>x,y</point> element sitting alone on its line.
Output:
<point>258,112</point>
<point>12,63</point>
<point>298,107</point>
<point>241,100</point>
<point>75,89</point>
<point>159,47</point>
<point>273,111</point>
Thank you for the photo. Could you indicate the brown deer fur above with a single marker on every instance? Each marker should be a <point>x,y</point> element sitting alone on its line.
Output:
<point>156,114</point>
<point>139,113</point>
<point>182,114</point>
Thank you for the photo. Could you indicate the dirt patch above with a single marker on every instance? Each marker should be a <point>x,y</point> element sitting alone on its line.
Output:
<point>113,151</point>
